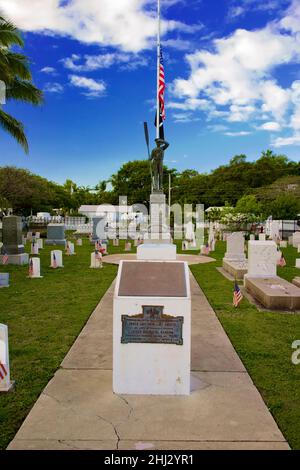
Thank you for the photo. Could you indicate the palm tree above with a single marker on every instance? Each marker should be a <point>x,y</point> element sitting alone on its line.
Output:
<point>15,73</point>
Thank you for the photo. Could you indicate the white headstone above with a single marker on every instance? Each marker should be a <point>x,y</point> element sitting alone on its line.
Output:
<point>37,234</point>
<point>252,237</point>
<point>40,243</point>
<point>79,242</point>
<point>34,248</point>
<point>5,382</point>
<point>36,268</point>
<point>290,239</point>
<point>297,262</point>
<point>298,248</point>
<point>96,260</point>
<point>296,239</point>
<point>262,237</point>
<point>235,247</point>
<point>274,229</point>
<point>72,248</point>
<point>262,259</point>
<point>56,259</point>
<point>127,246</point>
<point>4,280</point>
<point>283,244</point>
<point>115,242</point>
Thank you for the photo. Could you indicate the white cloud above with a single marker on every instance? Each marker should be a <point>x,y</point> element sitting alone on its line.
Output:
<point>49,70</point>
<point>237,134</point>
<point>270,126</point>
<point>236,76</point>
<point>53,88</point>
<point>126,24</point>
<point>90,63</point>
<point>94,88</point>
<point>286,141</point>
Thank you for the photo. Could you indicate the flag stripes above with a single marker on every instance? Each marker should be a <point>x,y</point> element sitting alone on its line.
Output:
<point>3,371</point>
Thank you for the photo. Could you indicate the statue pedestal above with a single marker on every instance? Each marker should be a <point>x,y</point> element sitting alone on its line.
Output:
<point>157,243</point>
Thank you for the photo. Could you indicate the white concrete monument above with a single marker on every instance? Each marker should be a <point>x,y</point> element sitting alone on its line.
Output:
<point>235,247</point>
<point>297,262</point>
<point>5,383</point>
<point>152,328</point>
<point>262,237</point>
<point>40,243</point>
<point>275,229</point>
<point>34,248</point>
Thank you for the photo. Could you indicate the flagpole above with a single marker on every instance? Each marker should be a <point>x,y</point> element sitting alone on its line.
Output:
<point>158,69</point>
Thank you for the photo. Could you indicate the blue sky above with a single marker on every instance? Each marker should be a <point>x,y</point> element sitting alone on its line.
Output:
<point>232,71</point>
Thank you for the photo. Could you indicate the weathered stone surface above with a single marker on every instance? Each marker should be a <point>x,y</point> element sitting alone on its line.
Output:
<point>274,293</point>
<point>237,269</point>
<point>55,234</point>
<point>235,244</point>
<point>12,236</point>
<point>262,259</point>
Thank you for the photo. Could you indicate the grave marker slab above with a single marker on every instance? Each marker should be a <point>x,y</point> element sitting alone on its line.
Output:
<point>5,382</point>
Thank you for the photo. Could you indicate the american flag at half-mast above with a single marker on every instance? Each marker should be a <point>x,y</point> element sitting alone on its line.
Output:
<point>237,295</point>
<point>161,97</point>
<point>3,371</point>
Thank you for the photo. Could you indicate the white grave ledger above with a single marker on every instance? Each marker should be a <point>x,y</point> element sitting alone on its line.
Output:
<point>5,382</point>
<point>152,328</point>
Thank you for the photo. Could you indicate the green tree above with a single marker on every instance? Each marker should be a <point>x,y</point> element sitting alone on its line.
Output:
<point>15,74</point>
<point>285,207</point>
<point>249,205</point>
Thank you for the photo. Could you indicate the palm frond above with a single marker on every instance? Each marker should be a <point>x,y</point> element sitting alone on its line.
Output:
<point>15,128</point>
<point>9,34</point>
<point>18,65</point>
<point>23,90</point>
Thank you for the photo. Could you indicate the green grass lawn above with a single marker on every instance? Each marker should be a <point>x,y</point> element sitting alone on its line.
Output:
<point>46,315</point>
<point>263,341</point>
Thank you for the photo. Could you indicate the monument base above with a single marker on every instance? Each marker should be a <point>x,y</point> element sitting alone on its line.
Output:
<point>152,329</point>
<point>156,251</point>
<point>237,269</point>
<point>274,292</point>
<point>56,242</point>
<point>19,260</point>
<point>7,388</point>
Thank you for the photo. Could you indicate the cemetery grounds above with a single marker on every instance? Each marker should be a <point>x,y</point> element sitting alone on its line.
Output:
<point>46,315</point>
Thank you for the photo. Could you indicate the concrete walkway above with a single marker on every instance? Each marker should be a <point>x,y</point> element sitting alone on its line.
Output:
<point>77,409</point>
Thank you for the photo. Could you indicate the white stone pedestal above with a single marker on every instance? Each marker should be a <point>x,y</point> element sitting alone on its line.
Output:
<point>5,383</point>
<point>152,328</point>
<point>152,251</point>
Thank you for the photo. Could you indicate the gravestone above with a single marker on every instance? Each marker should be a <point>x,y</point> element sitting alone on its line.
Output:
<point>275,229</point>
<point>235,247</point>
<point>40,243</point>
<point>263,283</point>
<point>296,239</point>
<point>79,242</point>
<point>34,248</point>
<point>56,259</point>
<point>12,241</point>
<point>262,259</point>
<point>35,273</point>
<point>4,280</point>
<point>5,383</point>
<point>283,244</point>
<point>252,237</point>
<point>56,235</point>
<point>297,262</point>
<point>262,237</point>
<point>235,262</point>
<point>96,260</point>
<point>152,328</point>
<point>127,246</point>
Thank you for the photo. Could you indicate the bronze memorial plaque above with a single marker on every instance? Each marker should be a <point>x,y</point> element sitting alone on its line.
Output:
<point>153,279</point>
<point>152,326</point>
